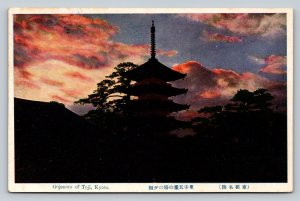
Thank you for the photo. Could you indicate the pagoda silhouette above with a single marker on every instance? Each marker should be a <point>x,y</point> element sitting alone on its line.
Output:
<point>152,89</point>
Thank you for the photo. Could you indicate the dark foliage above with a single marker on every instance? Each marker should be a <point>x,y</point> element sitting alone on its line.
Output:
<point>244,141</point>
<point>248,135</point>
<point>109,95</point>
<point>109,99</point>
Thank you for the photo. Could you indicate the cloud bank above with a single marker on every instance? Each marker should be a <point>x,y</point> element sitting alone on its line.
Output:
<point>217,37</point>
<point>63,57</point>
<point>267,25</point>
<point>209,87</point>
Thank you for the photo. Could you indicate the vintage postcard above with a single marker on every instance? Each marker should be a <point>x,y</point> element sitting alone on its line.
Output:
<point>150,100</point>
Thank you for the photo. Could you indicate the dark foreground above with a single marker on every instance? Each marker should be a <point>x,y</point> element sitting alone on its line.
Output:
<point>52,144</point>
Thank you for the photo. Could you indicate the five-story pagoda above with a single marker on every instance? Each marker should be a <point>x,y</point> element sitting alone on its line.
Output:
<point>153,106</point>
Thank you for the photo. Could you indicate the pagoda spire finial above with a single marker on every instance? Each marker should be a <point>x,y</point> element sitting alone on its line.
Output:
<point>153,51</point>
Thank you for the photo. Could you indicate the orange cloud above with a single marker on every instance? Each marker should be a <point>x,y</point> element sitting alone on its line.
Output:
<point>209,87</point>
<point>78,75</point>
<point>60,99</point>
<point>187,67</point>
<point>186,115</point>
<point>27,84</point>
<point>75,39</point>
<point>73,93</point>
<point>63,57</point>
<point>267,25</point>
<point>210,94</point>
<point>51,82</point>
<point>62,81</point>
<point>25,74</point>
<point>217,37</point>
<point>42,37</point>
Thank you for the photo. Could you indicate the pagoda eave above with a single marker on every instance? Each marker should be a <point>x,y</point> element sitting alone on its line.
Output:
<point>153,69</point>
<point>142,76</point>
<point>153,89</point>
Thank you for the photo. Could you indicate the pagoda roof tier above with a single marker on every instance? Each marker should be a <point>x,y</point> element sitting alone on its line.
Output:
<point>153,69</point>
<point>166,90</point>
<point>140,105</point>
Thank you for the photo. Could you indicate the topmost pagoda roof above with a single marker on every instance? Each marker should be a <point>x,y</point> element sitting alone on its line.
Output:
<point>153,69</point>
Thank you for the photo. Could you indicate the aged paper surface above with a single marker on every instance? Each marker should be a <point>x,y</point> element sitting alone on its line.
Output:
<point>150,100</point>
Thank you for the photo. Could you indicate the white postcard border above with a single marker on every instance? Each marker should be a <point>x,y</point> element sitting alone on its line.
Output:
<point>149,187</point>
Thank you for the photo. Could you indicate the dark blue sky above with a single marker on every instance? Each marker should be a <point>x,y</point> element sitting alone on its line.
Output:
<point>183,35</point>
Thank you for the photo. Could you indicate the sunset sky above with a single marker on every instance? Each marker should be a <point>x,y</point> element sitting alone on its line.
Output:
<point>63,57</point>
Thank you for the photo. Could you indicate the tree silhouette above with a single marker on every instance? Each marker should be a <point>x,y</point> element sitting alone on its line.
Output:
<point>246,101</point>
<point>243,105</point>
<point>109,98</point>
<point>243,101</point>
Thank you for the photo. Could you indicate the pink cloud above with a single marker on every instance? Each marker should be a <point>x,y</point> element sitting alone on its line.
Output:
<point>210,94</point>
<point>27,84</point>
<point>75,39</point>
<point>73,93</point>
<point>25,74</point>
<point>217,37</point>
<point>209,87</point>
<point>169,53</point>
<point>186,115</point>
<point>60,99</point>
<point>78,75</point>
<point>275,65</point>
<point>269,25</point>
<point>51,82</point>
<point>74,51</point>
<point>41,37</point>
